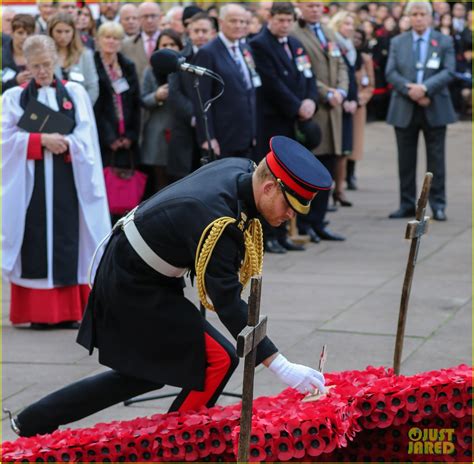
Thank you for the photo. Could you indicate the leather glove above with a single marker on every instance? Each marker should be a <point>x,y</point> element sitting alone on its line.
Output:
<point>302,378</point>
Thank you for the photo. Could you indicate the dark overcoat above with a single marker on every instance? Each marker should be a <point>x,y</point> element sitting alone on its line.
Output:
<point>138,319</point>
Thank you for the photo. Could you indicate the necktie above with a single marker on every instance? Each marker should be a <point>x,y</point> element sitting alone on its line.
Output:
<point>150,47</point>
<point>418,57</point>
<point>240,66</point>
<point>320,35</point>
<point>285,45</point>
<point>419,61</point>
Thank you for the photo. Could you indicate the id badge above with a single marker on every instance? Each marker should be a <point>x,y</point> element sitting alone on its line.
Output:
<point>120,85</point>
<point>76,76</point>
<point>256,81</point>
<point>433,63</point>
<point>8,74</point>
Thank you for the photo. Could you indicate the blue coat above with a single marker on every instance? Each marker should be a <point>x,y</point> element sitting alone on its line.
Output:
<point>284,85</point>
<point>232,118</point>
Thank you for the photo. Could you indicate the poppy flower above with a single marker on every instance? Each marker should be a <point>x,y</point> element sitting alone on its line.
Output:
<point>257,453</point>
<point>283,449</point>
<point>314,445</point>
<point>216,444</point>
<point>190,452</point>
<point>67,105</point>
<point>411,402</point>
<point>257,437</point>
<point>434,42</point>
<point>203,449</point>
<point>456,407</point>
<point>367,405</point>
<point>176,453</point>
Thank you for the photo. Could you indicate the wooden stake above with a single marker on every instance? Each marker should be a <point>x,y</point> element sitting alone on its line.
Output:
<point>247,342</point>
<point>415,230</point>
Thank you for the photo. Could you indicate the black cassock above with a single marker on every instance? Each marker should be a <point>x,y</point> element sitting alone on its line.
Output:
<point>139,319</point>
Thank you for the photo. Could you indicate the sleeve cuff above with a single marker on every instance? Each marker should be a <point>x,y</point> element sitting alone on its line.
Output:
<point>343,93</point>
<point>34,150</point>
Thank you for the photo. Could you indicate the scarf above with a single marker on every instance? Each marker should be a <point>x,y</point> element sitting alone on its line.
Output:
<point>347,48</point>
<point>114,72</point>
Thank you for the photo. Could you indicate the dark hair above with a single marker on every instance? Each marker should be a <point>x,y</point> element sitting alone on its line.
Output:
<point>23,21</point>
<point>361,31</point>
<point>282,8</point>
<point>173,35</point>
<point>200,16</point>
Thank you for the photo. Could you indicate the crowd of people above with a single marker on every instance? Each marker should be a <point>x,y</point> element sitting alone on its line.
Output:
<point>311,71</point>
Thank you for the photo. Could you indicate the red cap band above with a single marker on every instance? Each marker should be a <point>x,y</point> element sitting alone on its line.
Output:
<point>280,173</point>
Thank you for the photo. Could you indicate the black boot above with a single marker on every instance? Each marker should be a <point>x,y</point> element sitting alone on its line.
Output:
<point>350,175</point>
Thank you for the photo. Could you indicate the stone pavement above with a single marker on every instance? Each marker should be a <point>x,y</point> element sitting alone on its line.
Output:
<point>345,295</point>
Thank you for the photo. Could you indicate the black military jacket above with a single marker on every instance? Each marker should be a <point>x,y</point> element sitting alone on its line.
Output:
<point>139,319</point>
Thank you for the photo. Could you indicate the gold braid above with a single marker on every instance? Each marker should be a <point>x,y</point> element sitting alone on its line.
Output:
<point>251,265</point>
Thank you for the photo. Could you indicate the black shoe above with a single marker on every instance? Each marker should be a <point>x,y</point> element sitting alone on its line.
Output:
<point>326,234</point>
<point>13,422</point>
<point>341,199</point>
<point>439,215</point>
<point>289,245</point>
<point>326,223</point>
<point>71,325</point>
<point>272,246</point>
<point>351,183</point>
<point>40,326</point>
<point>402,213</point>
<point>313,236</point>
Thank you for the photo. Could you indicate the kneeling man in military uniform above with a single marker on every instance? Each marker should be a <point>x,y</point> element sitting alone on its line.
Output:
<point>145,330</point>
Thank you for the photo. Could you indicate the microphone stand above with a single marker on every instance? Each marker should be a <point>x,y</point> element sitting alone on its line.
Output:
<point>206,158</point>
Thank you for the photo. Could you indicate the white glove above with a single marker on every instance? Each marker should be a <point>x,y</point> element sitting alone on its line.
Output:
<point>303,378</point>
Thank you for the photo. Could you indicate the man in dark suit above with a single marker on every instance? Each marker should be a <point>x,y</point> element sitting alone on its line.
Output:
<point>183,148</point>
<point>421,64</point>
<point>232,118</point>
<point>288,93</point>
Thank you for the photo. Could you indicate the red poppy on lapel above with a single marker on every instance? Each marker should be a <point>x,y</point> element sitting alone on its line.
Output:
<point>67,105</point>
<point>299,51</point>
<point>434,42</point>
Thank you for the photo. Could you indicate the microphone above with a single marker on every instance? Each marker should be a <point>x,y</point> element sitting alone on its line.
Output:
<point>168,61</point>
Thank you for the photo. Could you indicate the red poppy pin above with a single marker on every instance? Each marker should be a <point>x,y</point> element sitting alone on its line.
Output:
<point>299,51</point>
<point>67,105</point>
<point>434,42</point>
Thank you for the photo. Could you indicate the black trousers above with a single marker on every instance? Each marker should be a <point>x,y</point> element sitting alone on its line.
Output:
<point>319,205</point>
<point>93,394</point>
<point>407,143</point>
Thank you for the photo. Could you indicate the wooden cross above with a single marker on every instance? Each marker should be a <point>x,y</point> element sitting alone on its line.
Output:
<point>247,342</point>
<point>415,230</point>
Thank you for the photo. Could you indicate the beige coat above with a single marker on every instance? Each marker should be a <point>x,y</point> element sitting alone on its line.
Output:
<point>365,92</point>
<point>134,50</point>
<point>331,72</point>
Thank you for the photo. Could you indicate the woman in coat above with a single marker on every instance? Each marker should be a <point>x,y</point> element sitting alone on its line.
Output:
<point>158,117</point>
<point>14,70</point>
<point>117,109</point>
<point>343,25</point>
<point>365,78</point>
<point>76,62</point>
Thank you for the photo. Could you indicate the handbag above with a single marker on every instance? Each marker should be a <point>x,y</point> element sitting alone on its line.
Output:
<point>125,187</point>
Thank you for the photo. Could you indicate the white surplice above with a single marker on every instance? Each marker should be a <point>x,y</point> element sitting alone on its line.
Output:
<point>18,182</point>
